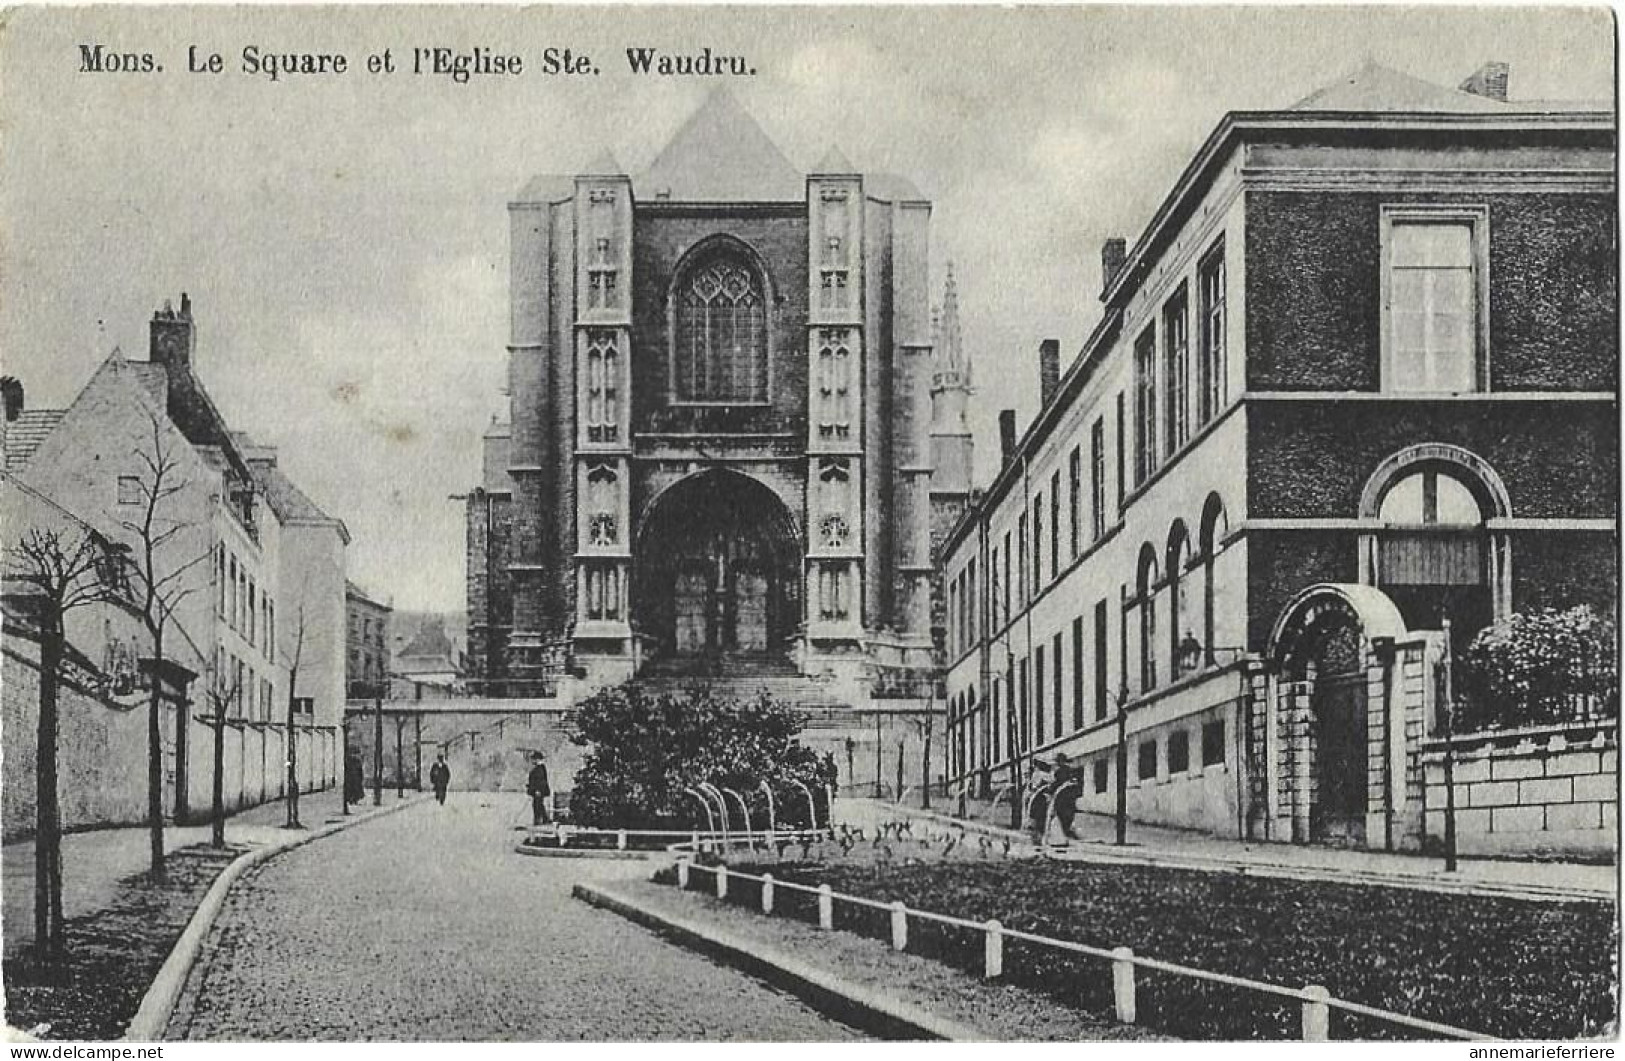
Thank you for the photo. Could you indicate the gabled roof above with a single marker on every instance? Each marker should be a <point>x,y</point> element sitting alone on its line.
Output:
<point>721,155</point>
<point>24,434</point>
<point>1377,89</point>
<point>290,503</point>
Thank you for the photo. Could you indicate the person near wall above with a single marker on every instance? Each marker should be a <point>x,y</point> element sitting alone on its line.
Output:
<point>541,793</point>
<point>440,778</point>
<point>355,789</point>
<point>1062,790</point>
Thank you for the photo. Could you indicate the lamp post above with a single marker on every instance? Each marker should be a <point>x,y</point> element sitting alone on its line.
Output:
<point>378,746</point>
<point>1121,815</point>
<point>1448,707</point>
<point>344,772</point>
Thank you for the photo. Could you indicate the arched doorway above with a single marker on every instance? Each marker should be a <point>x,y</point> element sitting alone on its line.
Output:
<point>1321,642</point>
<point>717,569</point>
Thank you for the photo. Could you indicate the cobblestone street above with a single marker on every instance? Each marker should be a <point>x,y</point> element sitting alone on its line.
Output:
<point>425,925</point>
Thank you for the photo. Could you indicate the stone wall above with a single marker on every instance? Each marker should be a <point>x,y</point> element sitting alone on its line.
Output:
<point>1544,791</point>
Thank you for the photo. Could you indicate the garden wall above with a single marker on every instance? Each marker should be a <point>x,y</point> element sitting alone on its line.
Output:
<point>1541,791</point>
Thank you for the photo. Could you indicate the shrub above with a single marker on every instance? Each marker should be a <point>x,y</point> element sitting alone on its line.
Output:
<point>644,751</point>
<point>1539,667</point>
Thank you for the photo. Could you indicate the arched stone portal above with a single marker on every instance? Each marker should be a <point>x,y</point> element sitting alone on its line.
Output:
<point>719,568</point>
<point>1333,750</point>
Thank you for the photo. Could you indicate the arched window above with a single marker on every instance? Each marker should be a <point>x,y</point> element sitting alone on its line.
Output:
<point>1214,528</point>
<point>720,333</point>
<point>1146,594</point>
<point>1179,625</point>
<point>1431,551</point>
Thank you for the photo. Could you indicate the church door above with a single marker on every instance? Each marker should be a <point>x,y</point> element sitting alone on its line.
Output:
<point>750,623</point>
<point>692,605</point>
<point>1341,755</point>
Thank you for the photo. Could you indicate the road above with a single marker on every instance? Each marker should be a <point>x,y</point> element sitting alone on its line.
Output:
<point>425,925</point>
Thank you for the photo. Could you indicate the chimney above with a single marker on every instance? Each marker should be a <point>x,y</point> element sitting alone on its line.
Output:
<point>1112,254</point>
<point>11,392</point>
<point>172,338</point>
<point>1489,81</point>
<point>1007,434</point>
<point>1049,370</point>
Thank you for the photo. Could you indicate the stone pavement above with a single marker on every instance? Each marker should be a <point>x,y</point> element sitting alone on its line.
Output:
<point>425,925</point>
<point>1177,847</point>
<point>94,861</point>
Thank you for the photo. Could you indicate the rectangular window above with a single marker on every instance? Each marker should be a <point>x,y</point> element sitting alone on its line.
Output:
<point>997,741</point>
<point>1176,364</point>
<point>1074,473</point>
<point>1148,760</point>
<point>1433,297</point>
<point>1059,708</point>
<point>1179,752</point>
<point>1037,545</point>
<point>1213,742</point>
<point>1055,525</point>
<point>1100,660</point>
<point>1118,452</point>
<point>1025,691</point>
<point>994,622</point>
<point>1006,576</point>
<point>1097,479</point>
<point>253,614</point>
<point>1021,557</point>
<point>1038,695</point>
<point>1077,673</point>
<point>971,595</point>
<point>1213,381</point>
<point>1102,774</point>
<point>1145,406</point>
<point>129,489</point>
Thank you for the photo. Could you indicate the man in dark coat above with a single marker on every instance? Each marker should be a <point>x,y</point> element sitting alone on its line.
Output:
<point>541,794</point>
<point>440,778</point>
<point>354,786</point>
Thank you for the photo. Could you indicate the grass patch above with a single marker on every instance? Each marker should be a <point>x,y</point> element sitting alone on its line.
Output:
<point>1506,967</point>
<point>112,954</point>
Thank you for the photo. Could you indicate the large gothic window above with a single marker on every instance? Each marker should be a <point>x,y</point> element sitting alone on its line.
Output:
<point>721,334</point>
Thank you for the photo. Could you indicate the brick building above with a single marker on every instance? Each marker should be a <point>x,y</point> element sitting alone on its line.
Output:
<point>1356,378</point>
<point>367,651</point>
<point>729,437</point>
<point>262,565</point>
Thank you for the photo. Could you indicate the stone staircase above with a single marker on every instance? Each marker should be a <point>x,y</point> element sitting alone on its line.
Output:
<point>743,678</point>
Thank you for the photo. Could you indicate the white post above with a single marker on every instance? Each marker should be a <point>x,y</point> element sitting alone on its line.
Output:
<point>620,840</point>
<point>722,882</point>
<point>767,893</point>
<point>694,841</point>
<point>1316,1014</point>
<point>682,874</point>
<point>1123,984</point>
<point>826,907</point>
<point>563,835</point>
<point>993,951</point>
<point>899,926</point>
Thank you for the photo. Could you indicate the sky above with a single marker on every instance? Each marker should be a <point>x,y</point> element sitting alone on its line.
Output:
<point>344,238</point>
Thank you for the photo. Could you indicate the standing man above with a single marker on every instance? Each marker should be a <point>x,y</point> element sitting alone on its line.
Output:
<point>440,778</point>
<point>540,792</point>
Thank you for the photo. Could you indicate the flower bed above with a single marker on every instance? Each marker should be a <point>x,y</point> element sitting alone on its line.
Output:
<point>1510,968</point>
<point>112,954</point>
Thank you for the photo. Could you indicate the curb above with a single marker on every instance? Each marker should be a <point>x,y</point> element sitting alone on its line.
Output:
<point>1100,854</point>
<point>151,1019</point>
<point>889,1018</point>
<point>609,853</point>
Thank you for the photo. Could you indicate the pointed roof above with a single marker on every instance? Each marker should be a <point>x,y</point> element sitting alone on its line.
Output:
<point>834,162</point>
<point>605,165</point>
<point>24,434</point>
<point>721,155</point>
<point>1374,87</point>
<point>950,340</point>
<point>291,504</point>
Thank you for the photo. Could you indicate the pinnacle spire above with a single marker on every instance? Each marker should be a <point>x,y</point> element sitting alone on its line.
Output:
<point>950,341</point>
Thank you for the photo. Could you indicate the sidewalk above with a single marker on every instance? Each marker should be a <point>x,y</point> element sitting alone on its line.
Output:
<point>1158,846</point>
<point>93,862</point>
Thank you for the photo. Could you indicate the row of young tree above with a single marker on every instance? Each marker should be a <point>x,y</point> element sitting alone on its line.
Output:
<point>53,572</point>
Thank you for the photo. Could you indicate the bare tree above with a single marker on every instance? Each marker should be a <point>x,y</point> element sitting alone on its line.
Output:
<point>293,658</point>
<point>225,689</point>
<point>59,570</point>
<point>159,592</point>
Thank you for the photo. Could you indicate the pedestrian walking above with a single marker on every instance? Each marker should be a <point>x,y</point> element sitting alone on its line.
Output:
<point>440,778</point>
<point>541,793</point>
<point>355,789</point>
<point>1060,795</point>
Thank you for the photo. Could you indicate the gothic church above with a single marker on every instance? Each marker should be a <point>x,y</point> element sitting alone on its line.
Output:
<point>736,427</point>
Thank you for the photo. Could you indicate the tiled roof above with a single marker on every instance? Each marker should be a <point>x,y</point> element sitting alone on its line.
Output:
<point>24,434</point>
<point>290,503</point>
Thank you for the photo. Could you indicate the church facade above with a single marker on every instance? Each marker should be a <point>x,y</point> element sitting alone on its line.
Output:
<point>730,431</point>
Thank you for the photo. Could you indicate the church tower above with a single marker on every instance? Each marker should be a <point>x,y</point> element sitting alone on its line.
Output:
<point>723,424</point>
